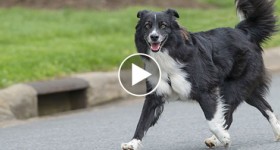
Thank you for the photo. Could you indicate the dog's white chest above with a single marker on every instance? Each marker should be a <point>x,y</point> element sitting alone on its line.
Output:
<point>173,83</point>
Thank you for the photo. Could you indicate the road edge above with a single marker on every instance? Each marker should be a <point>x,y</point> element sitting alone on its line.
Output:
<point>19,101</point>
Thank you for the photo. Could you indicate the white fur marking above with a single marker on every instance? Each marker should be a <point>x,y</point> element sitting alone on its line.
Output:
<point>240,14</point>
<point>153,32</point>
<point>216,124</point>
<point>179,84</point>
<point>164,86</point>
<point>275,124</point>
<point>170,70</point>
<point>132,145</point>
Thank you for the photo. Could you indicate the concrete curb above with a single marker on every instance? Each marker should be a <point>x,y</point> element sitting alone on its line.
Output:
<point>20,101</point>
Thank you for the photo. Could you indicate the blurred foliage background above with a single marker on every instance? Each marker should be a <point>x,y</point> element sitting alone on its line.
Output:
<point>45,39</point>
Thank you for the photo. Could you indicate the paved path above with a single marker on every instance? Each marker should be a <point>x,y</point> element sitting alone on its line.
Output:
<point>182,127</point>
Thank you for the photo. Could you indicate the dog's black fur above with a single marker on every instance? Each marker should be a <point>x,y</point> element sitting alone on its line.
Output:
<point>226,58</point>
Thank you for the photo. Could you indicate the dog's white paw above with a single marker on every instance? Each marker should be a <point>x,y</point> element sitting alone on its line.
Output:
<point>212,142</point>
<point>277,131</point>
<point>226,139</point>
<point>215,142</point>
<point>132,145</point>
<point>275,124</point>
<point>278,138</point>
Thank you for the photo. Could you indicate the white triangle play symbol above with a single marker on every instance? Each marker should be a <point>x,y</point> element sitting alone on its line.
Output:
<point>138,74</point>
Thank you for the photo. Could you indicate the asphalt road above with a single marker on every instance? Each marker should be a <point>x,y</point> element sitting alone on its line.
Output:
<point>181,127</point>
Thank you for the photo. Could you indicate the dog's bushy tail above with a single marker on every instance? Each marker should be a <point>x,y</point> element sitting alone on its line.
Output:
<point>258,20</point>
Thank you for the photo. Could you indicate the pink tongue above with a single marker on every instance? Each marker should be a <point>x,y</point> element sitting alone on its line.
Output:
<point>155,46</point>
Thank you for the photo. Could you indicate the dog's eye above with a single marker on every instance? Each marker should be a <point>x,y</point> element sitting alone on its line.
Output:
<point>163,26</point>
<point>147,26</point>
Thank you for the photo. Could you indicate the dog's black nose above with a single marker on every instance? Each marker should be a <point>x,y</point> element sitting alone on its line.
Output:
<point>154,37</point>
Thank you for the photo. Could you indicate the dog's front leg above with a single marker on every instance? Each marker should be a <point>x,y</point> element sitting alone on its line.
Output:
<point>214,111</point>
<point>151,112</point>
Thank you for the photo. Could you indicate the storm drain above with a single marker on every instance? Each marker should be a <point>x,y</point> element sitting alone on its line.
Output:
<point>60,95</point>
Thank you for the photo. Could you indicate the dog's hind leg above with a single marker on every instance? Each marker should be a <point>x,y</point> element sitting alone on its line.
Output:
<point>151,112</point>
<point>213,140</point>
<point>263,106</point>
<point>231,102</point>
<point>214,111</point>
<point>275,123</point>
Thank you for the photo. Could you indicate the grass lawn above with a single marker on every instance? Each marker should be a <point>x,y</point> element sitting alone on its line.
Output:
<point>44,44</point>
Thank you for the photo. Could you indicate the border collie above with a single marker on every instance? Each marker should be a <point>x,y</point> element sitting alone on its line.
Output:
<point>219,68</point>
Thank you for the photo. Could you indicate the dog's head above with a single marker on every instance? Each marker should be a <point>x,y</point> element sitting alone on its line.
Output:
<point>154,29</point>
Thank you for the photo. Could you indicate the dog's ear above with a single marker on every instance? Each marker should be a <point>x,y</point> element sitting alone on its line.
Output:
<point>172,12</point>
<point>141,13</point>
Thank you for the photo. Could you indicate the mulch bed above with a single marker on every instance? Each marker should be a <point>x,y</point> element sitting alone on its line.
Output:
<point>101,4</point>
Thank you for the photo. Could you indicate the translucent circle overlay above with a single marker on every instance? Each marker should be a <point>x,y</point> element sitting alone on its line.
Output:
<point>128,59</point>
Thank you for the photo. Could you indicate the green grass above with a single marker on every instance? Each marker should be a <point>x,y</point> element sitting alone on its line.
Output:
<point>219,3</point>
<point>44,44</point>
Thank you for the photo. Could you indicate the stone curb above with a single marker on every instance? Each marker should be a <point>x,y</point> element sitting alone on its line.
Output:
<point>103,87</point>
<point>20,101</point>
<point>272,59</point>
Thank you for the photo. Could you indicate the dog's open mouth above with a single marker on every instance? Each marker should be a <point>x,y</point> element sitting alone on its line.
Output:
<point>156,46</point>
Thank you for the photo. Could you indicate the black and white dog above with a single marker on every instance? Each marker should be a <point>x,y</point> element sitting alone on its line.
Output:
<point>219,68</point>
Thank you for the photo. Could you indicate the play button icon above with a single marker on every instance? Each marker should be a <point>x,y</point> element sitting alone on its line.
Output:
<point>138,74</point>
<point>133,74</point>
